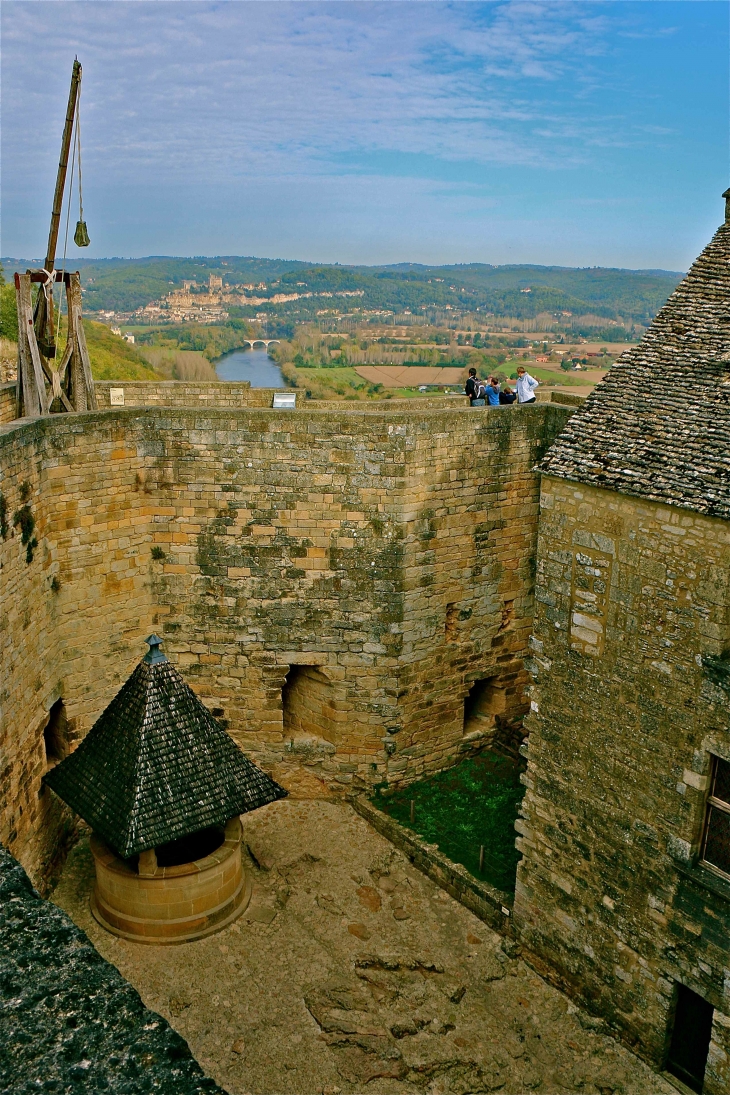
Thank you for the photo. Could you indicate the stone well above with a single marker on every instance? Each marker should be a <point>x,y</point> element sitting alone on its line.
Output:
<point>151,903</point>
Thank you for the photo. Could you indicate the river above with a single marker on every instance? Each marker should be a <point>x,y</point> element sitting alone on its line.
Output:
<point>253,365</point>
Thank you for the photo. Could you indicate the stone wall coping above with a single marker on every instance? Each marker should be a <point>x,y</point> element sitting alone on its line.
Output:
<point>119,414</point>
<point>491,905</point>
<point>180,384</point>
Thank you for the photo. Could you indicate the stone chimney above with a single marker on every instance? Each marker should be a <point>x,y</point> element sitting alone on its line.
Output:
<point>726,196</point>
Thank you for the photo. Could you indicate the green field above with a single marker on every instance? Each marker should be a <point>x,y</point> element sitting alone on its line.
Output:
<point>111,357</point>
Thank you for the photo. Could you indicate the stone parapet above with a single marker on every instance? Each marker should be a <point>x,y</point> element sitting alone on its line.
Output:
<point>181,393</point>
<point>71,1021</point>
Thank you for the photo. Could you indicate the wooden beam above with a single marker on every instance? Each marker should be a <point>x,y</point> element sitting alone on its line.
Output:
<point>38,276</point>
<point>35,355</point>
<point>74,312</point>
<point>63,165</point>
<point>66,357</point>
<point>29,398</point>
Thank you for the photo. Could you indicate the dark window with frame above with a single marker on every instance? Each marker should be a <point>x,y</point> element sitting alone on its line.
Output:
<point>716,839</point>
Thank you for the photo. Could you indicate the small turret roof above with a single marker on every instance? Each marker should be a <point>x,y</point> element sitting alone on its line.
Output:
<point>658,426</point>
<point>156,765</point>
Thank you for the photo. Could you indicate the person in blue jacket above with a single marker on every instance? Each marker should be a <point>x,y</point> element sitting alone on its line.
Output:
<point>493,392</point>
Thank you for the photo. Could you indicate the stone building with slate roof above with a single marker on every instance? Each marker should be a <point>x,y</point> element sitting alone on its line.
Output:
<point>623,891</point>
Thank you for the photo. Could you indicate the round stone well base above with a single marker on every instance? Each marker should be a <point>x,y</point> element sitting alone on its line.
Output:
<point>165,905</point>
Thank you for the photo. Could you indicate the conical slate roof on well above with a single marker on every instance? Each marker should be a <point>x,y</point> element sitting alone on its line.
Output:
<point>658,426</point>
<point>156,765</point>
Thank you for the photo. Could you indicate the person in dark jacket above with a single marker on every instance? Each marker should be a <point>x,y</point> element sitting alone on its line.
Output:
<point>473,389</point>
<point>507,396</point>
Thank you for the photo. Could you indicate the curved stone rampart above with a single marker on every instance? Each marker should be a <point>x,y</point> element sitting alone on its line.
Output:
<point>393,552</point>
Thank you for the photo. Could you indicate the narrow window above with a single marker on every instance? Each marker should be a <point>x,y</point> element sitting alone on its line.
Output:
<point>55,734</point>
<point>484,701</point>
<point>716,841</point>
<point>690,1038</point>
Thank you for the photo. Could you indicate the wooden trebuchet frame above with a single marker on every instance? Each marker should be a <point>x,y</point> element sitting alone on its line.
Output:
<point>42,386</point>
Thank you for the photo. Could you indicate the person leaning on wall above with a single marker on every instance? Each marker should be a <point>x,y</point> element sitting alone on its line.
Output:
<point>493,391</point>
<point>526,385</point>
<point>474,389</point>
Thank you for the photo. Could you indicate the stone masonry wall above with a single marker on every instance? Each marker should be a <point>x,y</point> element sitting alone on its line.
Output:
<point>8,402</point>
<point>72,617</point>
<point>469,543</point>
<point>633,597</point>
<point>182,393</point>
<point>329,540</point>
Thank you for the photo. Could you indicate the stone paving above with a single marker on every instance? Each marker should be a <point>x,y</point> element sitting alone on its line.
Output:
<point>351,972</point>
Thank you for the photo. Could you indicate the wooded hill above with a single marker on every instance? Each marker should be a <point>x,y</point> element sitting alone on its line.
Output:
<point>632,295</point>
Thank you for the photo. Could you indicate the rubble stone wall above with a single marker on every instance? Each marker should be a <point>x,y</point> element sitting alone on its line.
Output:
<point>633,597</point>
<point>336,540</point>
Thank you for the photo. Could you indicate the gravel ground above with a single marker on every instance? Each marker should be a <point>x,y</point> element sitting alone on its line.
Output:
<point>351,972</point>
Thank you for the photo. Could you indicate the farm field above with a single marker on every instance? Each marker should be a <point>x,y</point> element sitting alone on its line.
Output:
<point>397,376</point>
<point>582,348</point>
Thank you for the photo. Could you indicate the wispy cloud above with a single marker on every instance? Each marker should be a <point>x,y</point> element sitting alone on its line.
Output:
<point>249,87</point>
<point>441,109</point>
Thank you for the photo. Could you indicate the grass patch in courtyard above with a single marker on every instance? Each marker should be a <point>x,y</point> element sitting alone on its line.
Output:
<point>475,803</point>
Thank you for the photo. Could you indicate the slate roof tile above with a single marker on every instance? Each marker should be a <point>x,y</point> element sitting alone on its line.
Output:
<point>658,426</point>
<point>156,765</point>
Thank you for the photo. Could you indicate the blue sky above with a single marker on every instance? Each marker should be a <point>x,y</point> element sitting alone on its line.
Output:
<point>548,132</point>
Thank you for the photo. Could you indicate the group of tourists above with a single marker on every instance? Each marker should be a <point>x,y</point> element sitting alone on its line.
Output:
<point>489,393</point>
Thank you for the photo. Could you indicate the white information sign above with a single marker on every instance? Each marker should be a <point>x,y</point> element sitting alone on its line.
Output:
<point>116,397</point>
<point>285,401</point>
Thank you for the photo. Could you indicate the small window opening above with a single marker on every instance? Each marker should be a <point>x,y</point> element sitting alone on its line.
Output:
<point>291,715</point>
<point>690,1041</point>
<point>186,849</point>
<point>305,700</point>
<point>716,838</point>
<point>55,734</point>
<point>483,703</point>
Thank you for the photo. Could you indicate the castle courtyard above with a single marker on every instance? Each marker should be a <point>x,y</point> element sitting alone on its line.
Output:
<point>350,971</point>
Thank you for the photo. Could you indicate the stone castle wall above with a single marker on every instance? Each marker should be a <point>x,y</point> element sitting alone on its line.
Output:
<point>631,597</point>
<point>384,556</point>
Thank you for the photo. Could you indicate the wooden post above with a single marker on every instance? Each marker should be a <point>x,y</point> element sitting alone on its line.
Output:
<point>413,811</point>
<point>32,399</point>
<point>63,165</point>
<point>43,318</point>
<point>88,397</point>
